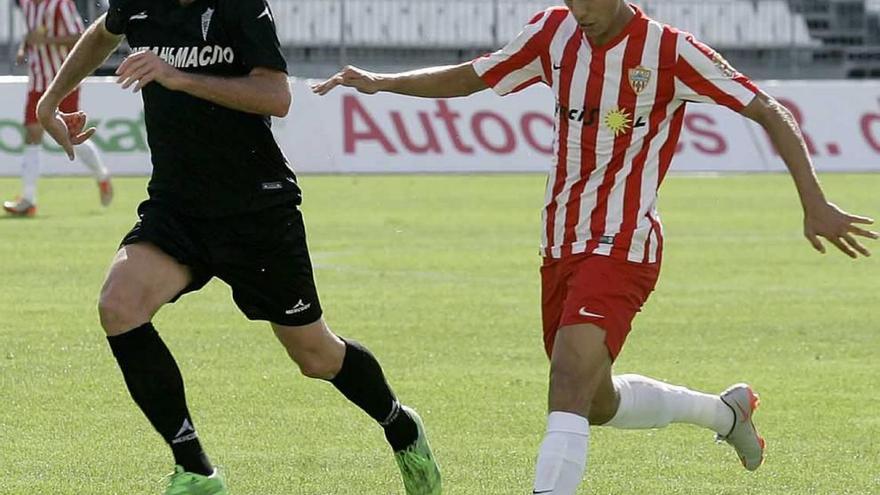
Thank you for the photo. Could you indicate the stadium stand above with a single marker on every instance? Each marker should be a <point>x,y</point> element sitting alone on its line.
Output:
<point>765,38</point>
<point>309,23</point>
<point>458,23</point>
<point>739,23</point>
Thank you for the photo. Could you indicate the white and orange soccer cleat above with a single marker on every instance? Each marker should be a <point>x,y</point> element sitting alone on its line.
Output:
<point>743,435</point>
<point>20,207</point>
<point>105,189</point>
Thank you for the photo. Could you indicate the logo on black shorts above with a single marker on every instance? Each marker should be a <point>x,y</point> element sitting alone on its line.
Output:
<point>299,308</point>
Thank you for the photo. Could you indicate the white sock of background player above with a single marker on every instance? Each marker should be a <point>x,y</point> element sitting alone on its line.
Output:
<point>91,158</point>
<point>30,172</point>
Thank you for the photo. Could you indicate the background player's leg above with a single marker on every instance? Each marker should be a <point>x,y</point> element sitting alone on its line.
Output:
<point>30,165</point>
<point>90,156</point>
<point>25,205</point>
<point>353,370</point>
<point>141,280</point>
<point>580,362</point>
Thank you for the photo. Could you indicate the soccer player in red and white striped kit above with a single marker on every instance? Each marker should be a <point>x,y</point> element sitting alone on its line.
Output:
<point>53,27</point>
<point>621,82</point>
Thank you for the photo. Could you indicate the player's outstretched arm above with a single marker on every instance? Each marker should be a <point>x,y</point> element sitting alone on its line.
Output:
<point>433,82</point>
<point>821,218</point>
<point>92,49</point>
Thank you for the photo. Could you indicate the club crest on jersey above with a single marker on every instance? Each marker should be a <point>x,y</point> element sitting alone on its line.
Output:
<point>639,77</point>
<point>206,23</point>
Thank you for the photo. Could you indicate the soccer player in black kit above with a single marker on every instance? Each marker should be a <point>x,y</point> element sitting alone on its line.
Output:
<point>222,202</point>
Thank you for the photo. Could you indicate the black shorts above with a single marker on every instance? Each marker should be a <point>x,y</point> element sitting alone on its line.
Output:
<point>261,255</point>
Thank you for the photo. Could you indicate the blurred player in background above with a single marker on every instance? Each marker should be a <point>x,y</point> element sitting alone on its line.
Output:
<point>53,27</point>
<point>621,82</point>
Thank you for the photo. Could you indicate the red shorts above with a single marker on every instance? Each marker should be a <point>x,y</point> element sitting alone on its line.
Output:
<point>601,290</point>
<point>68,105</point>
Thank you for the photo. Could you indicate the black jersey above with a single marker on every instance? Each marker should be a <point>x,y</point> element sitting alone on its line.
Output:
<point>208,160</point>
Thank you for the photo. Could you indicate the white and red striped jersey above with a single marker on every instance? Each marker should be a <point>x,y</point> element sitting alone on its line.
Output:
<point>58,18</point>
<point>619,114</point>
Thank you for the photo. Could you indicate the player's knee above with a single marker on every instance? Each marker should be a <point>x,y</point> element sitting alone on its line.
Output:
<point>314,348</point>
<point>316,361</point>
<point>119,312</point>
<point>316,365</point>
<point>602,410</point>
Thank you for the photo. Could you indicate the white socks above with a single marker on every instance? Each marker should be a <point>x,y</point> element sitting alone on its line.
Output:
<point>648,403</point>
<point>562,459</point>
<point>88,154</point>
<point>30,166</point>
<point>30,172</point>
<point>644,403</point>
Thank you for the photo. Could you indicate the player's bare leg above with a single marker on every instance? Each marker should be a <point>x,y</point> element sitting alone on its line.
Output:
<point>356,373</point>
<point>141,280</point>
<point>314,348</point>
<point>26,204</point>
<point>579,363</point>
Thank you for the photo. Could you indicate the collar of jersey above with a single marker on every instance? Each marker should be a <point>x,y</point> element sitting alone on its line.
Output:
<point>627,29</point>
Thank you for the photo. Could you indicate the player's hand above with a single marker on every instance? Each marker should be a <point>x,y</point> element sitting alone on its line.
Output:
<point>65,128</point>
<point>839,228</point>
<point>20,56</point>
<point>353,77</point>
<point>144,67</point>
<point>37,36</point>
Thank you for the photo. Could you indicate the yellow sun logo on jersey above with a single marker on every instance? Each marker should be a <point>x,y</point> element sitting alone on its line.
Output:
<point>618,121</point>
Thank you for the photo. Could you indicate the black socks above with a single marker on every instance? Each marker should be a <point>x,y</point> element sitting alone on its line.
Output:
<point>155,384</point>
<point>362,382</point>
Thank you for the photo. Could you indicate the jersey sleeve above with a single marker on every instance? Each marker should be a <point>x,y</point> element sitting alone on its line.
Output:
<point>117,16</point>
<point>256,38</point>
<point>702,75</point>
<point>67,19</point>
<point>524,61</point>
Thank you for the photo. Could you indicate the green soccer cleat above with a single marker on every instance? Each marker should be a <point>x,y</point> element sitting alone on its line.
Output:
<point>181,482</point>
<point>420,472</point>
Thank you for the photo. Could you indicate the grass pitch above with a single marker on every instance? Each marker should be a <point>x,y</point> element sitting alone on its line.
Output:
<point>438,275</point>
